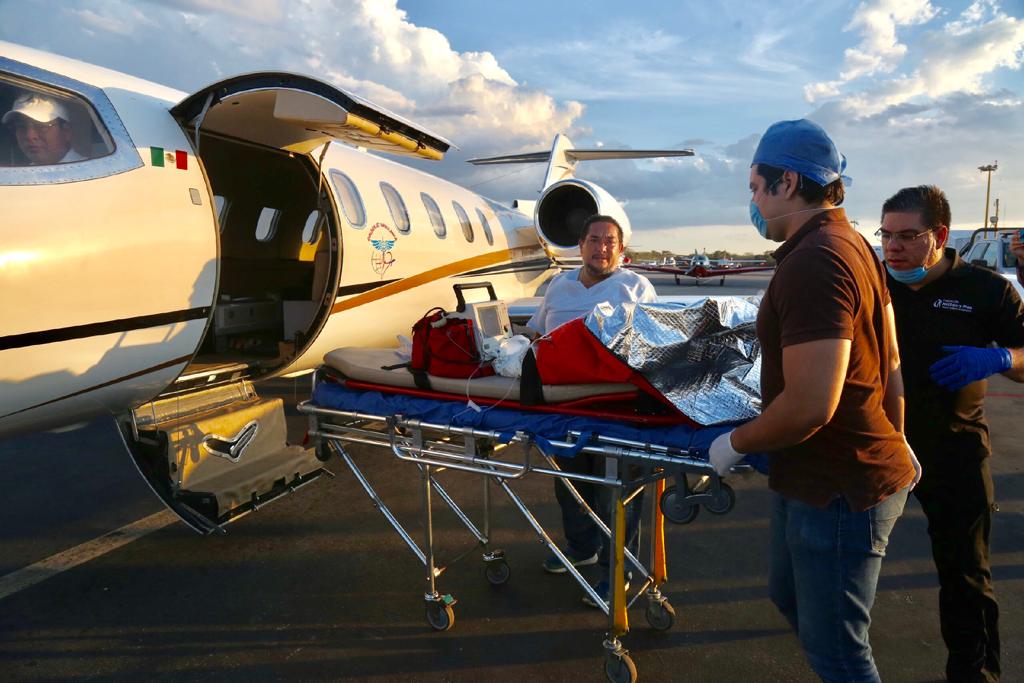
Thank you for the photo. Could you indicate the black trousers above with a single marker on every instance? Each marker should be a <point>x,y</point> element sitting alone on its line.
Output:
<point>580,531</point>
<point>958,501</point>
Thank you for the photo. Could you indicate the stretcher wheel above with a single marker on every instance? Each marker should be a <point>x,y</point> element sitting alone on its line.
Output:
<point>323,451</point>
<point>660,615</point>
<point>723,501</point>
<point>497,572</point>
<point>684,515</point>
<point>440,616</point>
<point>620,668</point>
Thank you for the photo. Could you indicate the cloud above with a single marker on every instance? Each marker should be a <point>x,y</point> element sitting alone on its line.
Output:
<point>955,59</point>
<point>366,46</point>
<point>879,50</point>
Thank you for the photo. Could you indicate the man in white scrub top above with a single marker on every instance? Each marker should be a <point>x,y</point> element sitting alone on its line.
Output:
<point>573,294</point>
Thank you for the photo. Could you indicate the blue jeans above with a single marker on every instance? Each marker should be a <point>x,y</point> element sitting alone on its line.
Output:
<point>823,575</point>
<point>583,536</point>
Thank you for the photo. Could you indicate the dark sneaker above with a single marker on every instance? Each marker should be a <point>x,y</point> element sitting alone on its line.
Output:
<point>602,589</point>
<point>553,565</point>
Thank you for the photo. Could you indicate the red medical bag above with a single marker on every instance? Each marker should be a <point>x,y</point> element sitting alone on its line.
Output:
<point>445,347</point>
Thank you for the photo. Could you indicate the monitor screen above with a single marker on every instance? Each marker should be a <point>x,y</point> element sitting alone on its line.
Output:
<point>490,321</point>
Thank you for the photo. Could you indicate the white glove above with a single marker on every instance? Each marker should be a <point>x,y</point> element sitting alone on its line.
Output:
<point>722,455</point>
<point>913,461</point>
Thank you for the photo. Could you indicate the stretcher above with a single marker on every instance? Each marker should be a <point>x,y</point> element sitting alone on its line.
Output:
<point>362,396</point>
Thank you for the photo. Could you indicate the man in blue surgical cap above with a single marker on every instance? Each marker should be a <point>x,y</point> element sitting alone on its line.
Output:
<point>832,392</point>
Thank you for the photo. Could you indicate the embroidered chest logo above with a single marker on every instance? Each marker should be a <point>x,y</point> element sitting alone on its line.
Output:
<point>383,241</point>
<point>953,305</point>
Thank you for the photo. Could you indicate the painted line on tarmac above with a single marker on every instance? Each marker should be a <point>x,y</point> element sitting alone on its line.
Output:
<point>29,576</point>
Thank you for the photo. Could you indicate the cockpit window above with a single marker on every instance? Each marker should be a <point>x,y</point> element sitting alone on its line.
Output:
<point>43,126</point>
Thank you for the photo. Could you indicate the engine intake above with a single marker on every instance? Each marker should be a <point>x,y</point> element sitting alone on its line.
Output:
<point>565,205</point>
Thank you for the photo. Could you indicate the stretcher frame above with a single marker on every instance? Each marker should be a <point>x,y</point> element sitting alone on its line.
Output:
<point>630,467</point>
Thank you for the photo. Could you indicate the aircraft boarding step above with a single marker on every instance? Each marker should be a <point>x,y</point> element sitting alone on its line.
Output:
<point>216,454</point>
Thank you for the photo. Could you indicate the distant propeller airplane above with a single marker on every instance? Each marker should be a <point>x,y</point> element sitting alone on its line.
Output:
<point>700,267</point>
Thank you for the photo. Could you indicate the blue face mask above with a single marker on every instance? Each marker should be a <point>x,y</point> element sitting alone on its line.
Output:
<point>758,220</point>
<point>908,277</point>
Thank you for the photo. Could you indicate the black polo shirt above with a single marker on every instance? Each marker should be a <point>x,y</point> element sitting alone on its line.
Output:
<point>967,306</point>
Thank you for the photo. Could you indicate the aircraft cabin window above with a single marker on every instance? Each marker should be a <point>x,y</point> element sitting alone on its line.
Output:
<point>221,205</point>
<point>467,227</point>
<point>351,202</point>
<point>266,226</point>
<point>46,127</point>
<point>397,205</point>
<point>486,226</point>
<point>311,230</point>
<point>434,212</point>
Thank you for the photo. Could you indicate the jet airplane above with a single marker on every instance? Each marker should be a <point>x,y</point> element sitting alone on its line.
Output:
<point>160,251</point>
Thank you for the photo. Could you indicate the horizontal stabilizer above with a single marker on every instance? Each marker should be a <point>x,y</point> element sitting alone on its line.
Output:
<point>575,155</point>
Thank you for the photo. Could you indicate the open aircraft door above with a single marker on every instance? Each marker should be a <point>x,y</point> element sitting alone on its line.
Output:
<point>209,446</point>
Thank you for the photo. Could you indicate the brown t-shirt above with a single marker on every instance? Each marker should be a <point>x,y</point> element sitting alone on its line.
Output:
<point>829,285</point>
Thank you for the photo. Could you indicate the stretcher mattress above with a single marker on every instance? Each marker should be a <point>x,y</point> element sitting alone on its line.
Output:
<point>367,365</point>
<point>545,425</point>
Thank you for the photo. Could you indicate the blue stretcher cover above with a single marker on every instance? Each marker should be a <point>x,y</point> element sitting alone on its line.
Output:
<point>542,426</point>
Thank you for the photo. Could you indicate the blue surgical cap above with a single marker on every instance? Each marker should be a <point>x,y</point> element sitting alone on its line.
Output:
<point>802,146</point>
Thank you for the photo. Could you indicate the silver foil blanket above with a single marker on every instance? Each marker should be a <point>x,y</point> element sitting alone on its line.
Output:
<point>704,357</point>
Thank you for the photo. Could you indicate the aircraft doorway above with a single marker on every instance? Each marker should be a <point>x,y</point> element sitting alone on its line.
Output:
<point>279,255</point>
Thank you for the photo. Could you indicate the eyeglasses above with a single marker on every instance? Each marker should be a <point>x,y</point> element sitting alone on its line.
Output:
<point>904,237</point>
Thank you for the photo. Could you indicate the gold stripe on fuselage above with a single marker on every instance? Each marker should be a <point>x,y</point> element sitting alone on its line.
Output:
<point>480,261</point>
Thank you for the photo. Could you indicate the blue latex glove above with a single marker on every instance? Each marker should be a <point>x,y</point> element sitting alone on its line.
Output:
<point>966,364</point>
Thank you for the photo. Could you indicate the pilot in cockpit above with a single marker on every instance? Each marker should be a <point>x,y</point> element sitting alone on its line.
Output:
<point>42,128</point>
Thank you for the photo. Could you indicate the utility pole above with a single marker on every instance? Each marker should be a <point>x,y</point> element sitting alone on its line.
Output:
<point>995,219</point>
<point>988,190</point>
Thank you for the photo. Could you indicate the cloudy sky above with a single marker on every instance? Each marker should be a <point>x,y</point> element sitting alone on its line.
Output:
<point>912,91</point>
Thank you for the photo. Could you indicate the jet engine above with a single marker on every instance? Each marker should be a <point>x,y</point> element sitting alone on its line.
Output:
<point>565,205</point>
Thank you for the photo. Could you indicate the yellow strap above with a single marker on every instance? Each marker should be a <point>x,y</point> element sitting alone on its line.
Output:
<point>620,622</point>
<point>660,568</point>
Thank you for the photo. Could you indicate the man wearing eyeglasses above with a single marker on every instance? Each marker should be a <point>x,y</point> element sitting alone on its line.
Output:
<point>570,295</point>
<point>956,324</point>
<point>42,128</point>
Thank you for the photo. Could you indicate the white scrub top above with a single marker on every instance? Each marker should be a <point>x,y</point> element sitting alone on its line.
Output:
<point>567,298</point>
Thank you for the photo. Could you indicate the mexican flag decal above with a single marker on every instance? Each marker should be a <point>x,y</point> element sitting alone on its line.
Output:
<point>161,157</point>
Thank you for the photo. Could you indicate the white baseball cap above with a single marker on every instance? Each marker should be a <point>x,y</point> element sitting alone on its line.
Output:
<point>38,108</point>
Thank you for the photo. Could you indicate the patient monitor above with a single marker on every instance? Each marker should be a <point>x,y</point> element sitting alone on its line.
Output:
<point>490,320</point>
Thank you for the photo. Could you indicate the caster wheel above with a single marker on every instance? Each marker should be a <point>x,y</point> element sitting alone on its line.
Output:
<point>440,616</point>
<point>660,615</point>
<point>497,572</point>
<point>723,502</point>
<point>323,452</point>
<point>620,668</point>
<point>683,515</point>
